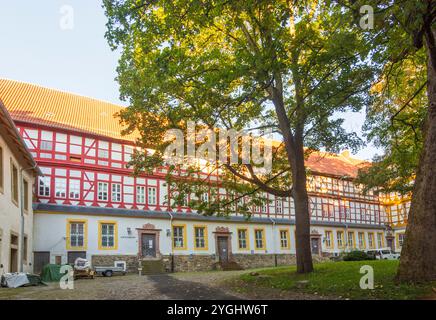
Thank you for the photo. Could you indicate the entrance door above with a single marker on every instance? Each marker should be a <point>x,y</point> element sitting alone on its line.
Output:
<point>223,249</point>
<point>390,243</point>
<point>148,245</point>
<point>314,243</point>
<point>40,259</point>
<point>13,262</point>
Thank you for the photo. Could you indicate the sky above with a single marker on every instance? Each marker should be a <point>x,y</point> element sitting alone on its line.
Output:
<point>60,44</point>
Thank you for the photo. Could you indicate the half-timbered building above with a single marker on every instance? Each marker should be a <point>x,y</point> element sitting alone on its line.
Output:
<point>89,204</point>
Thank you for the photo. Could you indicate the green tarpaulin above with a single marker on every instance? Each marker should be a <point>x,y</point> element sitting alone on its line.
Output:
<point>51,273</point>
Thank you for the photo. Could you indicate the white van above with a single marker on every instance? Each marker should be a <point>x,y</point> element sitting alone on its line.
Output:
<point>383,254</point>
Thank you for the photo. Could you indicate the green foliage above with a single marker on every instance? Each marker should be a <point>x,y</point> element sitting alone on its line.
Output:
<point>234,65</point>
<point>395,118</point>
<point>357,255</point>
<point>337,279</point>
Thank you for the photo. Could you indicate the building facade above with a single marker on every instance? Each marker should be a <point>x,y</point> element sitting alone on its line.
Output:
<point>17,176</point>
<point>88,204</point>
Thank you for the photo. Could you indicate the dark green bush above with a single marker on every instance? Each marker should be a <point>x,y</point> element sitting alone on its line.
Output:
<point>357,256</point>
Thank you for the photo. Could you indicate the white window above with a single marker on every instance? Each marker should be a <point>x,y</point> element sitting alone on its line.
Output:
<point>284,244</point>
<point>178,239</point>
<point>77,234</point>
<point>61,187</point>
<point>380,241</point>
<point>140,194</point>
<point>46,145</point>
<point>279,206</point>
<point>259,240</point>
<point>401,238</point>
<point>200,241</point>
<point>44,186</point>
<point>205,197</point>
<point>116,192</point>
<point>107,235</point>
<point>74,189</point>
<point>242,238</point>
<point>152,199</point>
<point>104,154</point>
<point>103,191</point>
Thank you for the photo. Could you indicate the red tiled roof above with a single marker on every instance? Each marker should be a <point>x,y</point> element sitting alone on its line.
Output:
<point>35,104</point>
<point>31,103</point>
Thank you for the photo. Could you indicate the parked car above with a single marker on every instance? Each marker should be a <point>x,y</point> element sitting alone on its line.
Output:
<point>383,254</point>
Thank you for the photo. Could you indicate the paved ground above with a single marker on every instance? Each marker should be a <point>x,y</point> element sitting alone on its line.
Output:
<point>132,287</point>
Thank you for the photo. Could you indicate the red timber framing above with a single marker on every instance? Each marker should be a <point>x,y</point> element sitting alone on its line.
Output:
<point>89,170</point>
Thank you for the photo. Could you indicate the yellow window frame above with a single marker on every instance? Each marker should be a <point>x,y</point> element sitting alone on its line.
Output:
<point>332,240</point>
<point>372,237</point>
<point>263,239</point>
<point>288,239</point>
<point>183,235</point>
<point>382,239</point>
<point>397,239</point>
<point>354,238</point>
<point>342,245</point>
<point>100,244</point>
<point>85,234</point>
<point>364,240</point>
<point>247,239</point>
<point>205,235</point>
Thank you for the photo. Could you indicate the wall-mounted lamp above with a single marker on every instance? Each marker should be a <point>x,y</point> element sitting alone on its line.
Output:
<point>168,233</point>
<point>129,231</point>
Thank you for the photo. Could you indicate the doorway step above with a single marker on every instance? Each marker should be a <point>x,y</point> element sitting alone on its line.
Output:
<point>152,266</point>
<point>230,265</point>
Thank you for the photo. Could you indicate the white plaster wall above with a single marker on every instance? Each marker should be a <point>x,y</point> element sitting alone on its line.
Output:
<point>10,215</point>
<point>50,235</point>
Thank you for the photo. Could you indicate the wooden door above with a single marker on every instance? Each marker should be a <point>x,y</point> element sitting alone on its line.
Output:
<point>314,243</point>
<point>223,249</point>
<point>13,260</point>
<point>40,259</point>
<point>148,245</point>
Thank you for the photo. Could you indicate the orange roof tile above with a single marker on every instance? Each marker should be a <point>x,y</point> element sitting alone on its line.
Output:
<point>31,103</point>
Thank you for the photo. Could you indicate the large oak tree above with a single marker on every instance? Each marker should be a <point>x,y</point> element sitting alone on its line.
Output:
<point>292,66</point>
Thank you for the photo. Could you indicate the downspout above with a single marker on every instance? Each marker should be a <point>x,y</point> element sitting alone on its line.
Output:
<point>21,179</point>
<point>171,240</point>
<point>274,241</point>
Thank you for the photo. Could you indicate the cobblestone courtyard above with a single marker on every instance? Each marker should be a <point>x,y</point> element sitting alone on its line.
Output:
<point>133,287</point>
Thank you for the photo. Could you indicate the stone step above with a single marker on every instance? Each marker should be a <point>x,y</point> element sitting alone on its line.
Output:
<point>231,265</point>
<point>152,267</point>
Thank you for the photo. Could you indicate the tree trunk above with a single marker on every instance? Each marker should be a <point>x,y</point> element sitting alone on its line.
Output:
<point>418,257</point>
<point>302,215</point>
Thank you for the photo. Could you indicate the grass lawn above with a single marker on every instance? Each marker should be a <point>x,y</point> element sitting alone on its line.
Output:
<point>337,279</point>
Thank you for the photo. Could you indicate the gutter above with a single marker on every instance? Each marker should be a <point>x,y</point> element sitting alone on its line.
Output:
<point>274,240</point>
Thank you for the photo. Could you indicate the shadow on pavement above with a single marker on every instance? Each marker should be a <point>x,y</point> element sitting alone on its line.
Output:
<point>187,290</point>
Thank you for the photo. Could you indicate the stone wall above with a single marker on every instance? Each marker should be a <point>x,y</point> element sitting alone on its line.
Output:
<point>206,262</point>
<point>190,263</point>
<point>109,260</point>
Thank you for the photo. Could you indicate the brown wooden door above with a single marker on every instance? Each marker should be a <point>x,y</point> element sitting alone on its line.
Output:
<point>40,259</point>
<point>13,261</point>
<point>148,245</point>
<point>314,242</point>
<point>223,249</point>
